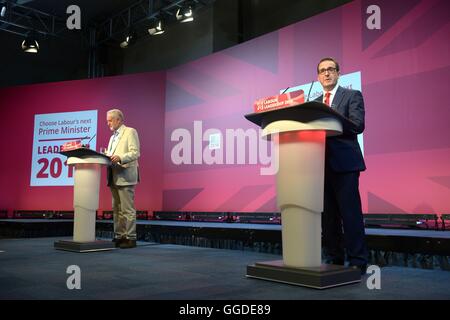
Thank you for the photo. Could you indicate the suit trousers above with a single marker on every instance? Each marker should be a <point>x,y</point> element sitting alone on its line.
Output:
<point>124,212</point>
<point>342,219</point>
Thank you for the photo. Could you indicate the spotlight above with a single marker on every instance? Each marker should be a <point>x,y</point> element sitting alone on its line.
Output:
<point>156,28</point>
<point>185,14</point>
<point>126,42</point>
<point>2,9</point>
<point>30,45</point>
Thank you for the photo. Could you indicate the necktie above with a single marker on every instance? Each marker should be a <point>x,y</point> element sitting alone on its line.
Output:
<point>327,98</point>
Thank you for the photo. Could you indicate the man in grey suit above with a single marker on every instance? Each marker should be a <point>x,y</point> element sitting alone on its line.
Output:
<point>123,175</point>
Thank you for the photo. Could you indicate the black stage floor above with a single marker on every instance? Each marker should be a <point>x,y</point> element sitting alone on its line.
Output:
<point>33,269</point>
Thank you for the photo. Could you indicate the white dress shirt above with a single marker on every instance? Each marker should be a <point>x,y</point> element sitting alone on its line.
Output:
<point>115,139</point>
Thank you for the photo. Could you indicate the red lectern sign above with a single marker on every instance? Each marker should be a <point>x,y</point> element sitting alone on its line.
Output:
<point>71,145</point>
<point>281,101</point>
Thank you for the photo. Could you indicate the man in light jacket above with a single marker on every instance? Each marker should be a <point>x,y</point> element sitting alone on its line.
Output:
<point>123,175</point>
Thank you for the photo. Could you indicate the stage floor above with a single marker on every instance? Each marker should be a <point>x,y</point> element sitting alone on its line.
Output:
<point>33,269</point>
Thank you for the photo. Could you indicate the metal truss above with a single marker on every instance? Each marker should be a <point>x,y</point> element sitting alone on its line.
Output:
<point>138,14</point>
<point>22,20</point>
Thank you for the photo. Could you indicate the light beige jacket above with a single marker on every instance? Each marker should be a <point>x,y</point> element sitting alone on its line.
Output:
<point>126,172</point>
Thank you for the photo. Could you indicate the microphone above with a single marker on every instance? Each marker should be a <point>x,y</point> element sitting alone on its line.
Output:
<point>310,88</point>
<point>285,90</point>
<point>90,140</point>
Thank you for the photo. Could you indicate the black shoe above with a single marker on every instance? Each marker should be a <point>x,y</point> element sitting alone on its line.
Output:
<point>339,262</point>
<point>362,268</point>
<point>127,244</point>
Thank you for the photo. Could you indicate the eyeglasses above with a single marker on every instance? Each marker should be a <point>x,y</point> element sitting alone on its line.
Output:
<point>330,70</point>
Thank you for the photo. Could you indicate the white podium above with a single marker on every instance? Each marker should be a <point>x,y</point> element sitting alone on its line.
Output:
<point>299,134</point>
<point>87,172</point>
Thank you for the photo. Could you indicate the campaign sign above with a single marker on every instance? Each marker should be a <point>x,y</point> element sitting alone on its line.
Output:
<point>285,100</point>
<point>51,131</point>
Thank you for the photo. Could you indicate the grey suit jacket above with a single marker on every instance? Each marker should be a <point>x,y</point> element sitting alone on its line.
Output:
<point>126,172</point>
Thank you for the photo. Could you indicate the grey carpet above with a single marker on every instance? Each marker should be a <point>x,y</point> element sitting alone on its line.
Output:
<point>32,269</point>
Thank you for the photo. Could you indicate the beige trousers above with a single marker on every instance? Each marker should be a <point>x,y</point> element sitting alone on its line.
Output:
<point>124,212</point>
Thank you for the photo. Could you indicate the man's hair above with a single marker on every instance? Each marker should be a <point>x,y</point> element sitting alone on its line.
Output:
<point>116,113</point>
<point>328,59</point>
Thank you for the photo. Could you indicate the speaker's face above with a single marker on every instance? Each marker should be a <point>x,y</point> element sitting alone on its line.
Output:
<point>328,75</point>
<point>113,122</point>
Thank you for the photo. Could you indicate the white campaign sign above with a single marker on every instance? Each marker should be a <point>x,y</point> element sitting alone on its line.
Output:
<point>48,167</point>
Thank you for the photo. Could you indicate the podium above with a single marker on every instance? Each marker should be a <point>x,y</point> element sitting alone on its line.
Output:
<point>87,174</point>
<point>299,134</point>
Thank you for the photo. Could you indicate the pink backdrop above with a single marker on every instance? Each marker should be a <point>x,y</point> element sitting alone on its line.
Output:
<point>405,74</point>
<point>140,96</point>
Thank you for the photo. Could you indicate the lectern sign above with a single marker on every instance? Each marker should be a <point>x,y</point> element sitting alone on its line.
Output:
<point>284,100</point>
<point>51,131</point>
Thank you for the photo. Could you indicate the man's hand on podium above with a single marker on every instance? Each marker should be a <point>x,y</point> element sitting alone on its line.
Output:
<point>115,158</point>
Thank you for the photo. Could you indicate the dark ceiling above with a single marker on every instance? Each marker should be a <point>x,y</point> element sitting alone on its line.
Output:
<point>91,10</point>
<point>71,55</point>
<point>112,19</point>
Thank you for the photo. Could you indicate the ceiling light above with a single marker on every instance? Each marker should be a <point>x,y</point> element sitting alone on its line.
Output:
<point>126,42</point>
<point>2,9</point>
<point>30,45</point>
<point>156,28</point>
<point>185,14</point>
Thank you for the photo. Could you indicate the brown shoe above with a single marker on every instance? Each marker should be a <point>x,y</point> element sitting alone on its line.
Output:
<point>127,243</point>
<point>118,241</point>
